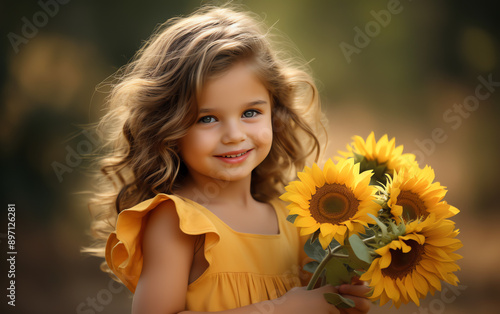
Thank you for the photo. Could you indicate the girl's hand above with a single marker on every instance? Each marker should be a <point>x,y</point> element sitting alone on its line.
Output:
<point>299,300</point>
<point>356,292</point>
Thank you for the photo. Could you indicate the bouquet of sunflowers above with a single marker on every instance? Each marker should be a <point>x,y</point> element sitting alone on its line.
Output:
<point>376,215</point>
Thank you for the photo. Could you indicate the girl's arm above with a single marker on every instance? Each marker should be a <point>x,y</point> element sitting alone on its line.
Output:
<point>300,301</point>
<point>168,255</point>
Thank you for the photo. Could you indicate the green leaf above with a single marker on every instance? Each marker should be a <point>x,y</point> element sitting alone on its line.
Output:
<point>402,228</point>
<point>337,272</point>
<point>291,218</point>
<point>358,157</point>
<point>369,232</point>
<point>353,261</point>
<point>314,250</point>
<point>311,266</point>
<point>360,249</point>
<point>382,227</point>
<point>339,301</point>
<point>394,229</point>
<point>378,174</point>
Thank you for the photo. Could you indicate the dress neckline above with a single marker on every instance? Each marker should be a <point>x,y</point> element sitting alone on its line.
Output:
<point>247,234</point>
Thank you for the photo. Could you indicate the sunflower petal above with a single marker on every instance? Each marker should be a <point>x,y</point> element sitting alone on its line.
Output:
<point>411,290</point>
<point>327,228</point>
<point>325,240</point>
<point>385,261</point>
<point>307,221</point>
<point>308,230</point>
<point>390,289</point>
<point>318,177</point>
<point>420,283</point>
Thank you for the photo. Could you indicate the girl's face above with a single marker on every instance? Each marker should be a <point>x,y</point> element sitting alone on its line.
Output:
<point>233,132</point>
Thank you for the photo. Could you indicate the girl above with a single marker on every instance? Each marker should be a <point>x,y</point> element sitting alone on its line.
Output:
<point>204,126</point>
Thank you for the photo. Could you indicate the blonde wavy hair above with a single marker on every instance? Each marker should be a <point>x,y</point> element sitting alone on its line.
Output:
<point>153,103</point>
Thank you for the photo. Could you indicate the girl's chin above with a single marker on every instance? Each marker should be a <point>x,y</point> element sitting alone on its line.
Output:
<point>233,174</point>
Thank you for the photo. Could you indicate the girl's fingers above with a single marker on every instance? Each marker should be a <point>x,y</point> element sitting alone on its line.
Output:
<point>361,305</point>
<point>328,289</point>
<point>355,281</point>
<point>359,290</point>
<point>358,294</point>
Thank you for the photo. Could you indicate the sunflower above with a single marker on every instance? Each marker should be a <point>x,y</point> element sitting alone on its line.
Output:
<point>413,195</point>
<point>383,157</point>
<point>335,201</point>
<point>414,264</point>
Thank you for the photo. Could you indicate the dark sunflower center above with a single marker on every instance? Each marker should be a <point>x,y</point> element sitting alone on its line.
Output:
<point>404,263</point>
<point>413,206</point>
<point>333,203</point>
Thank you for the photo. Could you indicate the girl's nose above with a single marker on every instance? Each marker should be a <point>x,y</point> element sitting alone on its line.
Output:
<point>234,132</point>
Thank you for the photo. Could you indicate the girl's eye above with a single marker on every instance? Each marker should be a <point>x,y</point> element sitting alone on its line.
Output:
<point>250,113</point>
<point>207,119</point>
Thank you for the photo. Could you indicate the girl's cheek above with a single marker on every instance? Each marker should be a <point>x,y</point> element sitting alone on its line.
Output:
<point>204,138</point>
<point>263,132</point>
<point>265,135</point>
<point>197,140</point>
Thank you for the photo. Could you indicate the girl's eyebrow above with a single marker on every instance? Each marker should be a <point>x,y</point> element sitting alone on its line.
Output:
<point>250,104</point>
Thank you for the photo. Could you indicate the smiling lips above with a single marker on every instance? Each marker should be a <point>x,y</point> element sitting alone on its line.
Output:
<point>234,157</point>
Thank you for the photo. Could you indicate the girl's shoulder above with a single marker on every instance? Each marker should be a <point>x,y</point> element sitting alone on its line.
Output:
<point>124,246</point>
<point>189,212</point>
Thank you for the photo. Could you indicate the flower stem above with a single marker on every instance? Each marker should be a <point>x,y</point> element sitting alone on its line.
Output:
<point>322,265</point>
<point>368,239</point>
<point>340,255</point>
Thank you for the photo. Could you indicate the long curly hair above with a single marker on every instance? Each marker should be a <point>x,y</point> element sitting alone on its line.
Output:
<point>153,103</point>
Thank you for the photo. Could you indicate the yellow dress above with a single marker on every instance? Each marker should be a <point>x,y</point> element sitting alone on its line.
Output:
<point>243,268</point>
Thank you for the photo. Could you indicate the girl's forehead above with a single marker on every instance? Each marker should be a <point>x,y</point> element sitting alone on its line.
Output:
<point>239,83</point>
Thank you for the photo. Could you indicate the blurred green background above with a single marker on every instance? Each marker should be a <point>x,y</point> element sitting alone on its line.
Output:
<point>411,71</point>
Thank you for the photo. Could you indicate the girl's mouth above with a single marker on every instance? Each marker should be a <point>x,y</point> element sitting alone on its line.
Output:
<point>235,156</point>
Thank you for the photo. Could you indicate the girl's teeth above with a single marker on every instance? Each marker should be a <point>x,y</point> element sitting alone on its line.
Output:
<point>233,156</point>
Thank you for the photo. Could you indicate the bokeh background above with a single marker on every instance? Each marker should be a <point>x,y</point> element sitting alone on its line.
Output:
<point>409,78</point>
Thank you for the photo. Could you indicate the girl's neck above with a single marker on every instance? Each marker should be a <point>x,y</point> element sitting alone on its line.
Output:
<point>213,193</point>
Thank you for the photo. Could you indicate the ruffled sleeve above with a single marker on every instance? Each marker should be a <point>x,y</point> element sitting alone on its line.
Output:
<point>124,246</point>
